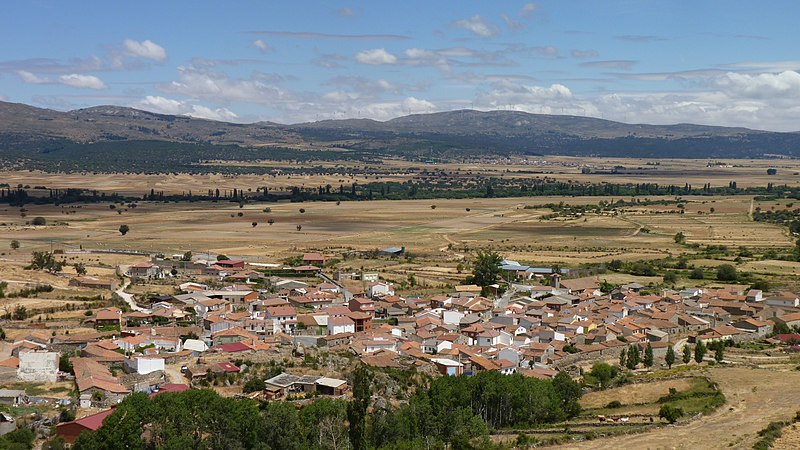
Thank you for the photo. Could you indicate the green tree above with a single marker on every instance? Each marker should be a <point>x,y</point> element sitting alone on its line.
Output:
<point>486,270</point>
<point>699,352</point>
<point>719,352</point>
<point>648,356</point>
<point>357,408</point>
<point>670,277</point>
<point>623,354</point>
<point>633,357</point>
<point>670,357</point>
<point>80,268</point>
<point>687,354</point>
<point>603,373</point>
<point>187,256</point>
<point>123,229</point>
<point>39,221</point>
<point>222,258</point>
<point>14,244</point>
<point>254,385</point>
<point>569,392</point>
<point>680,238</point>
<point>670,413</point>
<point>697,274</point>
<point>45,261</point>
<point>726,272</point>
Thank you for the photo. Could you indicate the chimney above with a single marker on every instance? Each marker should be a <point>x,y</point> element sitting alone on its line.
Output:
<point>555,280</point>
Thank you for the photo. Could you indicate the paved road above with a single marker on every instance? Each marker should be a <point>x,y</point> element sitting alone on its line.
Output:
<point>128,298</point>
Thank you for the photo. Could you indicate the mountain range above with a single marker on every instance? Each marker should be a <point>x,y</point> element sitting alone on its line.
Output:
<point>27,132</point>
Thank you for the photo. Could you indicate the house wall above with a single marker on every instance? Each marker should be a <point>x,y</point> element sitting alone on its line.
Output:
<point>149,365</point>
<point>38,367</point>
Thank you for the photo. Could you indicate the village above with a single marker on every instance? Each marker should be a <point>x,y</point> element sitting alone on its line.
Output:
<point>230,318</point>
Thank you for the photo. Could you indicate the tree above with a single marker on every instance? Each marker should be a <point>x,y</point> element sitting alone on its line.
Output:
<point>80,268</point>
<point>39,221</point>
<point>670,277</point>
<point>45,261</point>
<point>648,356</point>
<point>603,373</point>
<point>14,244</point>
<point>726,272</point>
<point>670,358</point>
<point>719,352</point>
<point>254,385</point>
<point>123,229</point>
<point>187,256</point>
<point>486,270</point>
<point>254,224</point>
<point>633,357</point>
<point>302,210</point>
<point>299,227</point>
<point>772,171</point>
<point>697,274</point>
<point>270,221</point>
<point>357,408</point>
<point>222,258</point>
<point>670,413</point>
<point>680,238</point>
<point>569,392</point>
<point>699,352</point>
<point>687,354</point>
<point>623,354</point>
<point>433,206</point>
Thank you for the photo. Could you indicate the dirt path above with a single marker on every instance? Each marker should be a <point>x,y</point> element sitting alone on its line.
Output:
<point>755,397</point>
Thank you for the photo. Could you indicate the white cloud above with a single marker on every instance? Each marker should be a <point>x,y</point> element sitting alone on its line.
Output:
<point>82,81</point>
<point>415,105</point>
<point>524,97</point>
<point>376,56</point>
<point>477,25</point>
<point>218,87</point>
<point>784,85</point>
<point>527,9</point>
<point>179,107</point>
<point>146,49</point>
<point>511,23</point>
<point>262,46</point>
<point>30,78</point>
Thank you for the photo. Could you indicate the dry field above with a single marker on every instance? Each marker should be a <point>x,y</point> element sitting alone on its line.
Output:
<point>755,397</point>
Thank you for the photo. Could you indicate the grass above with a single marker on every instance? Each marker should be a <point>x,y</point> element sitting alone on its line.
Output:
<point>773,432</point>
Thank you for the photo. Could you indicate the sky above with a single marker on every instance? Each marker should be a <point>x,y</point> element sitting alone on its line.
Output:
<point>711,62</point>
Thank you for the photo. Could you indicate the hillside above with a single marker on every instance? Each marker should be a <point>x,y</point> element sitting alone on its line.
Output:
<point>42,138</point>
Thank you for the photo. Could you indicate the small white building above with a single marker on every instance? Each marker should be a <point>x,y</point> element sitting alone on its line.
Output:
<point>38,366</point>
<point>338,325</point>
<point>144,365</point>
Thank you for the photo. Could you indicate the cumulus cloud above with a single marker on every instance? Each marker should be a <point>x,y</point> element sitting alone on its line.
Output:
<point>180,107</point>
<point>31,78</point>
<point>477,26</point>
<point>524,97</point>
<point>146,49</point>
<point>262,46</point>
<point>219,88</point>
<point>784,85</point>
<point>82,81</point>
<point>375,57</point>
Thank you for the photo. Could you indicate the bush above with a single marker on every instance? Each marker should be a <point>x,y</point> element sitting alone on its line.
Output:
<point>670,413</point>
<point>614,404</point>
<point>39,221</point>
<point>726,272</point>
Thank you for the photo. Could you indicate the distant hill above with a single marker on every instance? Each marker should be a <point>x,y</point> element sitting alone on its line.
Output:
<point>29,134</point>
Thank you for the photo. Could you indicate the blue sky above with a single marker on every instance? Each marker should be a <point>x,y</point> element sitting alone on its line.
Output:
<point>732,63</point>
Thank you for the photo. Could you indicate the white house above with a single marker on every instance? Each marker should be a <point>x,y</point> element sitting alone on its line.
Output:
<point>452,317</point>
<point>337,325</point>
<point>380,289</point>
<point>143,365</point>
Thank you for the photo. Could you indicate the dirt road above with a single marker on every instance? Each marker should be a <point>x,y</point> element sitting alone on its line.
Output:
<point>755,397</point>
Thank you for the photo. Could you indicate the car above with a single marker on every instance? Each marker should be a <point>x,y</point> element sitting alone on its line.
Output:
<point>183,369</point>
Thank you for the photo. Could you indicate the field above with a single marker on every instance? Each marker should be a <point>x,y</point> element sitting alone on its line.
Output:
<point>754,398</point>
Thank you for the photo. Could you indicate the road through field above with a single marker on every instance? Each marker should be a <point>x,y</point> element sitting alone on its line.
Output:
<point>754,398</point>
